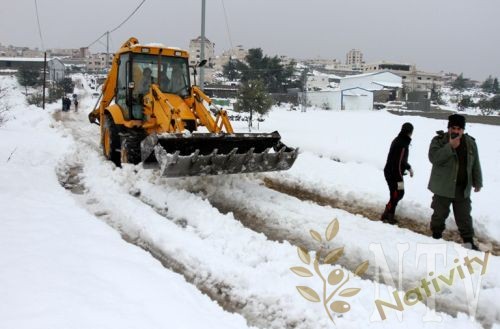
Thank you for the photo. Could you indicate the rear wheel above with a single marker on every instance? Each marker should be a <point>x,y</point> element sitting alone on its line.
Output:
<point>111,141</point>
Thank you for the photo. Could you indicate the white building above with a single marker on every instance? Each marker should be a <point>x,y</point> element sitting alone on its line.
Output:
<point>317,81</point>
<point>354,99</point>
<point>356,92</point>
<point>372,81</point>
<point>195,51</point>
<point>55,68</point>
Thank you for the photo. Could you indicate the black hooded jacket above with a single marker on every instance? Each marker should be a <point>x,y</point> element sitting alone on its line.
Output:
<point>397,159</point>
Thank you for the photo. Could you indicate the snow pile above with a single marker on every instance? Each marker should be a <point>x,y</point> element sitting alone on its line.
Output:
<point>343,153</point>
<point>64,268</point>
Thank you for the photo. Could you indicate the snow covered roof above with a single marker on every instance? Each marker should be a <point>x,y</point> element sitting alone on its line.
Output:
<point>28,59</point>
<point>23,59</point>
<point>366,74</point>
<point>356,91</point>
<point>388,84</point>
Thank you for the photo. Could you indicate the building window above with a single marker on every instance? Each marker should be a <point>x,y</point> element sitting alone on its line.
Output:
<point>419,78</point>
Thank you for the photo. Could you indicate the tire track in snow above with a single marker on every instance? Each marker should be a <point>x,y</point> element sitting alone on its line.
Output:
<point>70,175</point>
<point>356,207</point>
<point>110,200</point>
<point>265,311</point>
<point>282,217</point>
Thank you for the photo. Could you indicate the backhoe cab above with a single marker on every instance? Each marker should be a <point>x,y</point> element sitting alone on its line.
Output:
<point>149,112</point>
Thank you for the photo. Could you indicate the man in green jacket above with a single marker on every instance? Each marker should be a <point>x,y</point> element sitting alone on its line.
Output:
<point>455,170</point>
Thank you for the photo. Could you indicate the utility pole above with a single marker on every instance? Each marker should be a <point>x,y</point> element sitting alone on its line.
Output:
<point>202,51</point>
<point>107,51</point>
<point>44,77</point>
<point>304,91</point>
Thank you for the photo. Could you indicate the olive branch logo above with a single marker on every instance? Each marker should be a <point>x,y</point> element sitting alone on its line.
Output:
<point>335,278</point>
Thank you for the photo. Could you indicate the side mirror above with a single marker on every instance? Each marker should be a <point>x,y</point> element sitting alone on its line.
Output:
<point>202,63</point>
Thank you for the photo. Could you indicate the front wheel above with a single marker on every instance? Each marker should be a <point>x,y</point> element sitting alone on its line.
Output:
<point>131,148</point>
<point>111,146</point>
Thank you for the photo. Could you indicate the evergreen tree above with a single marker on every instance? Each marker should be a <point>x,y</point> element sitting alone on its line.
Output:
<point>490,106</point>
<point>459,83</point>
<point>275,76</point>
<point>231,69</point>
<point>67,85</point>
<point>495,102</point>
<point>28,76</point>
<point>436,95</point>
<point>466,102</point>
<point>494,87</point>
<point>487,85</point>
<point>56,92</point>
<point>252,97</point>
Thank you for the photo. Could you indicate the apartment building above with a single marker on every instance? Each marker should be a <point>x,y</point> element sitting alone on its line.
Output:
<point>354,59</point>
<point>97,62</point>
<point>413,79</point>
<point>235,53</point>
<point>195,51</point>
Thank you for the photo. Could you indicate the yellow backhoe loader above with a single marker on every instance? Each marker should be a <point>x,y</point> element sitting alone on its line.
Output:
<point>149,112</point>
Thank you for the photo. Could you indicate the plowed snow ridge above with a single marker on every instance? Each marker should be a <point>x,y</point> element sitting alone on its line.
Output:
<point>217,253</point>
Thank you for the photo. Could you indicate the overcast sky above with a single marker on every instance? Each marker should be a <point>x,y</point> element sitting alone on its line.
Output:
<point>450,35</point>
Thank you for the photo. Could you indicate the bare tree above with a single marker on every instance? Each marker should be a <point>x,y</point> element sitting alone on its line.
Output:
<point>4,105</point>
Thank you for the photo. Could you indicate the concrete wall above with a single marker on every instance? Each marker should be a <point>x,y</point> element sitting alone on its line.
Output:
<point>357,99</point>
<point>330,100</point>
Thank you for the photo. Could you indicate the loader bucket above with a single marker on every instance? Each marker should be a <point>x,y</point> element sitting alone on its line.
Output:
<point>202,154</point>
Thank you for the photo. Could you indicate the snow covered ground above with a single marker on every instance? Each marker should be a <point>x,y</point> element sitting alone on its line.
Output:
<point>107,255</point>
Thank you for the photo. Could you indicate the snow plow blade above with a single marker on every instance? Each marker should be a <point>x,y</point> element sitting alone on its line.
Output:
<point>179,155</point>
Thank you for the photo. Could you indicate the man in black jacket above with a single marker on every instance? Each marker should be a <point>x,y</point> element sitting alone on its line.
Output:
<point>395,167</point>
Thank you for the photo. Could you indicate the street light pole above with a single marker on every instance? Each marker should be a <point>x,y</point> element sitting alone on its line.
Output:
<point>202,51</point>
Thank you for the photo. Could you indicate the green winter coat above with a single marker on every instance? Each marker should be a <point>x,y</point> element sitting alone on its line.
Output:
<point>444,161</point>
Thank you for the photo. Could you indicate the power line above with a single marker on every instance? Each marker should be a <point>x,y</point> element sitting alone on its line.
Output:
<point>227,25</point>
<point>96,40</point>
<point>39,28</point>
<point>120,25</point>
<point>136,9</point>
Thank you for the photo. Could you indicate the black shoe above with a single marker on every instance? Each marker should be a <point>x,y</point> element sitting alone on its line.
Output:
<point>390,219</point>
<point>436,235</point>
<point>469,244</point>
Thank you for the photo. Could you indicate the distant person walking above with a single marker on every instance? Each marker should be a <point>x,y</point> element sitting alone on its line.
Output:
<point>394,170</point>
<point>455,170</point>
<point>75,101</point>
<point>66,103</point>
